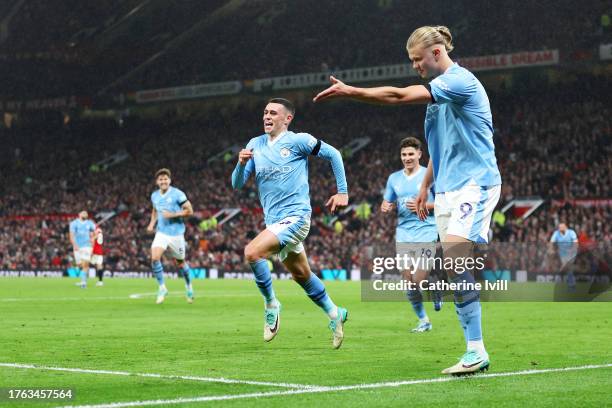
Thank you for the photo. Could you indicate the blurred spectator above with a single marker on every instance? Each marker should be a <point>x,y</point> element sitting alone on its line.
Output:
<point>553,143</point>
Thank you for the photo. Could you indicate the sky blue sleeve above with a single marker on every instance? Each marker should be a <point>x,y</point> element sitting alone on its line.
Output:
<point>241,174</point>
<point>330,153</point>
<point>451,87</point>
<point>181,197</point>
<point>305,143</point>
<point>72,227</point>
<point>389,194</point>
<point>554,237</point>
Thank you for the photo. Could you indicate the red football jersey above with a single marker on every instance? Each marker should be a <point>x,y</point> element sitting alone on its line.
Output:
<point>98,240</point>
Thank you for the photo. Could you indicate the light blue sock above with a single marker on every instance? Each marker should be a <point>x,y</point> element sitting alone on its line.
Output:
<point>158,270</point>
<point>263,279</point>
<point>470,319</point>
<point>315,290</point>
<point>83,275</point>
<point>416,300</point>
<point>467,305</point>
<point>185,270</point>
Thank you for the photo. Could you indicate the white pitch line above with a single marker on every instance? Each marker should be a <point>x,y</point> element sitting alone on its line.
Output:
<point>63,299</point>
<point>161,376</point>
<point>332,388</point>
<point>139,295</point>
<point>126,297</point>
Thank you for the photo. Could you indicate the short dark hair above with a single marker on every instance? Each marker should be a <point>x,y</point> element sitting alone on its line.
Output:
<point>163,172</point>
<point>286,103</point>
<point>410,142</point>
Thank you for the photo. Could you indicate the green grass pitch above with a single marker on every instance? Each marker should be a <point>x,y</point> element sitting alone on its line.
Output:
<point>51,322</point>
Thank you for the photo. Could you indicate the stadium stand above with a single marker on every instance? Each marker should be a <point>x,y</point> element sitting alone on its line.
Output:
<point>568,124</point>
<point>129,45</point>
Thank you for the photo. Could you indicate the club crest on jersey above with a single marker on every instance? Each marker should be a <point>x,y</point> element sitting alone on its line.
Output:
<point>284,152</point>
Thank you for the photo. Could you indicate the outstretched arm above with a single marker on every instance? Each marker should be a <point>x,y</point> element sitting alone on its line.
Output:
<point>243,169</point>
<point>332,154</point>
<point>386,95</point>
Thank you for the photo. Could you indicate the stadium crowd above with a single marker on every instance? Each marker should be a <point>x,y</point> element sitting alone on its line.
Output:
<point>86,49</point>
<point>553,144</point>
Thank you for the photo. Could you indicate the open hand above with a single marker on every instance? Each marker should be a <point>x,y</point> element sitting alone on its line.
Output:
<point>336,90</point>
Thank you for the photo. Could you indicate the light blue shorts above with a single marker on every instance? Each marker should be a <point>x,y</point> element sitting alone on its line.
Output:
<point>291,232</point>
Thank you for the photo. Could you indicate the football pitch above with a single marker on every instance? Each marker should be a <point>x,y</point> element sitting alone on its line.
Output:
<point>115,348</point>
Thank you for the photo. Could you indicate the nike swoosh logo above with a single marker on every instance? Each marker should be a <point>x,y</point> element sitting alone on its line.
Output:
<point>471,365</point>
<point>275,328</point>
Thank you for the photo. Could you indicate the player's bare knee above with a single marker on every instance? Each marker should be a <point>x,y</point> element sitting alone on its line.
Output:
<point>252,254</point>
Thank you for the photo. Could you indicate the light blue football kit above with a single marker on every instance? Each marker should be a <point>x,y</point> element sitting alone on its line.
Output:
<point>401,189</point>
<point>281,174</point>
<point>171,201</point>
<point>280,167</point>
<point>81,231</point>
<point>413,237</point>
<point>566,243</point>
<point>170,235</point>
<point>459,134</point>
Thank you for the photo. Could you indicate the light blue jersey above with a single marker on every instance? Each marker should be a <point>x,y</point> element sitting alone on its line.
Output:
<point>81,230</point>
<point>565,242</point>
<point>281,172</point>
<point>459,132</point>
<point>171,201</point>
<point>401,189</point>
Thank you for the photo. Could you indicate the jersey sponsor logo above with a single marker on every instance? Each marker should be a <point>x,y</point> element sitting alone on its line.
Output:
<point>284,152</point>
<point>274,173</point>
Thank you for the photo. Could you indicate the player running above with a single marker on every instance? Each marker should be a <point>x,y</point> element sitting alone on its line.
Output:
<point>81,238</point>
<point>279,161</point>
<point>97,257</point>
<point>459,134</point>
<point>170,207</point>
<point>413,237</point>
